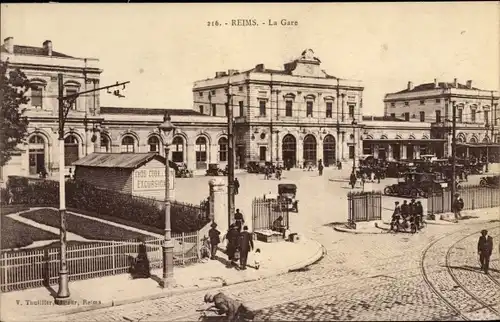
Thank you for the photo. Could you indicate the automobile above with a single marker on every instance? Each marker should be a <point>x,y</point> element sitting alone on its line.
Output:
<point>286,195</point>
<point>492,181</point>
<point>417,184</point>
<point>394,168</point>
<point>253,167</point>
<point>214,170</point>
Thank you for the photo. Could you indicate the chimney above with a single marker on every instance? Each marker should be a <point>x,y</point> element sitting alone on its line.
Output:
<point>259,68</point>
<point>47,46</point>
<point>455,83</point>
<point>469,83</point>
<point>8,44</point>
<point>220,74</point>
<point>410,86</point>
<point>436,83</point>
<point>232,72</point>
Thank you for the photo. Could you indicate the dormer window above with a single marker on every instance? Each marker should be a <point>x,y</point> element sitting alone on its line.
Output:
<point>71,89</point>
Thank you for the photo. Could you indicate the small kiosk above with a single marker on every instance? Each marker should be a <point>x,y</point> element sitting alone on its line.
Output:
<point>140,174</point>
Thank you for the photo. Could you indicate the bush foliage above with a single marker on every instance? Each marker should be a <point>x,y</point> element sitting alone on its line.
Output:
<point>83,196</point>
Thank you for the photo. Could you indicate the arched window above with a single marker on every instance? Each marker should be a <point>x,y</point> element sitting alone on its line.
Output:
<point>128,144</point>
<point>36,154</point>
<point>201,149</point>
<point>178,149</point>
<point>154,144</point>
<point>105,143</point>
<point>310,149</point>
<point>222,149</point>
<point>70,150</point>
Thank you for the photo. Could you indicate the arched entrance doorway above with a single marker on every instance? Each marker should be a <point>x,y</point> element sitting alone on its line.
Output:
<point>289,150</point>
<point>70,150</point>
<point>310,149</point>
<point>329,150</point>
<point>36,154</point>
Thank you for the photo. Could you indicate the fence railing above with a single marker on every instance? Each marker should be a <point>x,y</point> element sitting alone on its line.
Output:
<point>35,268</point>
<point>364,206</point>
<point>266,211</point>
<point>474,197</point>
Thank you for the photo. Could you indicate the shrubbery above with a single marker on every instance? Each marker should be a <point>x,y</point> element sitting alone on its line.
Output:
<point>80,195</point>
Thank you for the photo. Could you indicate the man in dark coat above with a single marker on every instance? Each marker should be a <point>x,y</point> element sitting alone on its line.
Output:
<point>236,186</point>
<point>214,236</point>
<point>419,212</point>
<point>484,249</point>
<point>246,245</point>
<point>320,167</point>
<point>238,219</point>
<point>458,205</point>
<point>232,237</point>
<point>405,210</point>
<point>352,180</point>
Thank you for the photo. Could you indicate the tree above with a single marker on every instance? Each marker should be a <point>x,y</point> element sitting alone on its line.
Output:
<point>13,87</point>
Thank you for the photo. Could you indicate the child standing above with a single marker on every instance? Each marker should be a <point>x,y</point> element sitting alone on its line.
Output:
<point>256,258</point>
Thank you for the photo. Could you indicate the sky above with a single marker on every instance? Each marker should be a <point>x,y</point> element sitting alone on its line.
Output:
<point>163,48</point>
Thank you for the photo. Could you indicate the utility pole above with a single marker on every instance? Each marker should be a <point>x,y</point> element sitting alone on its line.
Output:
<point>230,141</point>
<point>63,292</point>
<point>337,152</point>
<point>65,103</point>
<point>453,151</point>
<point>271,119</point>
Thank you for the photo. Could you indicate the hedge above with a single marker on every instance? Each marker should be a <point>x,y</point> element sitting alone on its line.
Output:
<point>83,196</point>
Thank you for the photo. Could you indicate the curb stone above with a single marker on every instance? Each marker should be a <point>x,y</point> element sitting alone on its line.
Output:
<point>163,294</point>
<point>348,231</point>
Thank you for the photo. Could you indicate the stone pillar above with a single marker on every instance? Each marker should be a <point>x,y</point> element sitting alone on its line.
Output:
<point>375,151</point>
<point>403,151</point>
<point>218,195</point>
<point>190,156</point>
<point>390,154</point>
<point>280,147</point>
<point>343,147</point>
<point>300,151</point>
<point>416,151</point>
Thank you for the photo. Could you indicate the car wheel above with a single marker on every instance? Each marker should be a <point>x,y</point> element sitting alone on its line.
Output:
<point>387,191</point>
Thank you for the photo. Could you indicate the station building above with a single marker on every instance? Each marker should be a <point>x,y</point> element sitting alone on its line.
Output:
<point>294,114</point>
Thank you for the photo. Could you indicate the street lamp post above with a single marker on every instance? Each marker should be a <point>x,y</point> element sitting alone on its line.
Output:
<point>168,248</point>
<point>354,123</point>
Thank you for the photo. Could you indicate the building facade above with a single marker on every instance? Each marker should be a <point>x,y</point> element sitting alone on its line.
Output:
<point>296,114</point>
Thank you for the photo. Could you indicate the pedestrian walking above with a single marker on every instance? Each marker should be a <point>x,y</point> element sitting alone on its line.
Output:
<point>232,238</point>
<point>266,173</point>
<point>214,236</point>
<point>236,186</point>
<point>246,245</point>
<point>484,249</point>
<point>238,219</point>
<point>395,215</point>
<point>419,210</point>
<point>458,205</point>
<point>304,166</point>
<point>320,167</point>
<point>377,175</point>
<point>339,165</point>
<point>352,180</point>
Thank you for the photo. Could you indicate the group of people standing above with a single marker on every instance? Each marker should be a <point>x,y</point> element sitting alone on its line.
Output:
<point>412,212</point>
<point>239,242</point>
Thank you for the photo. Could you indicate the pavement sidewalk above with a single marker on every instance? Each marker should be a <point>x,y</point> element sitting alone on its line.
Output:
<point>276,258</point>
<point>382,226</point>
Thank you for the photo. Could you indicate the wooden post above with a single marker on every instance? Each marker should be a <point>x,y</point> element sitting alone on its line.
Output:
<point>113,255</point>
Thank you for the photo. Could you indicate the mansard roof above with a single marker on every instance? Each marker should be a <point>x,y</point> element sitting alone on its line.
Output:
<point>33,51</point>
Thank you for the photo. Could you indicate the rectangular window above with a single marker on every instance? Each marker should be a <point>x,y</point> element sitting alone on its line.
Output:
<point>329,109</point>
<point>407,103</point>
<point>393,115</point>
<point>351,111</point>
<point>213,92</point>
<point>438,100</point>
<point>422,116</point>
<point>262,107</point>
<point>407,116</point>
<point>487,117</point>
<point>201,109</point>
<point>473,116</point>
<point>214,110</point>
<point>438,116</point>
<point>460,115</point>
<point>240,88</point>
<point>422,102</point>
<point>36,97</point>
<point>72,91</point>
<point>351,152</point>
<point>241,108</point>
<point>200,93</point>
<point>288,108</point>
<point>393,104</point>
<point>262,153</point>
<point>309,112</point>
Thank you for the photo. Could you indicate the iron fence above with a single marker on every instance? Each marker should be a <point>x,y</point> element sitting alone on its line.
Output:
<point>266,211</point>
<point>364,206</point>
<point>35,268</point>
<point>474,197</point>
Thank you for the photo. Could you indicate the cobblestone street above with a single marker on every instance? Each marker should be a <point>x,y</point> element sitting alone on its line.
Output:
<point>432,275</point>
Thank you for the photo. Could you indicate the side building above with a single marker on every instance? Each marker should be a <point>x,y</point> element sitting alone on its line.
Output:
<point>296,114</point>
